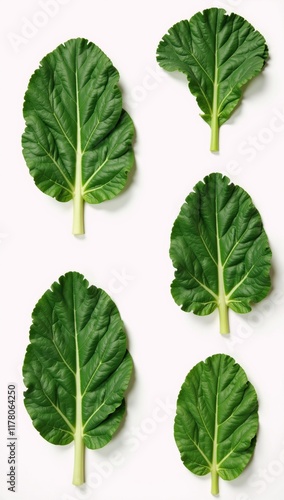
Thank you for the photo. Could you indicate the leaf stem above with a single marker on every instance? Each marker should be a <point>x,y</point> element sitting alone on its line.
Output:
<point>214,146</point>
<point>224,317</point>
<point>78,213</point>
<point>214,482</point>
<point>79,459</point>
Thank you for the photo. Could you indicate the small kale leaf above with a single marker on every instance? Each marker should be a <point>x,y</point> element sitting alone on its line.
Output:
<point>220,251</point>
<point>77,367</point>
<point>216,420</point>
<point>219,54</point>
<point>78,140</point>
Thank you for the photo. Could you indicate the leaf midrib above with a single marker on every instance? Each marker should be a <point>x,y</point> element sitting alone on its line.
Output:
<point>221,285</point>
<point>214,465</point>
<point>78,168</point>
<point>215,108</point>
<point>79,421</point>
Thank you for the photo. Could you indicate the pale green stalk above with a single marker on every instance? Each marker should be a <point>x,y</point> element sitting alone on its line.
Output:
<point>214,482</point>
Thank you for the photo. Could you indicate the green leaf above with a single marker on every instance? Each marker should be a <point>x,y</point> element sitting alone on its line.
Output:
<point>78,139</point>
<point>76,367</point>
<point>219,54</point>
<point>216,420</point>
<point>220,251</point>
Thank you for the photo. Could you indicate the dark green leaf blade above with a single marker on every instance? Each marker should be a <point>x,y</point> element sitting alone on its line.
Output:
<point>220,251</point>
<point>217,419</point>
<point>77,367</point>
<point>219,54</point>
<point>78,140</point>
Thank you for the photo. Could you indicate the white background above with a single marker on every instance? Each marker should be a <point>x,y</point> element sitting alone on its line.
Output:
<point>125,249</point>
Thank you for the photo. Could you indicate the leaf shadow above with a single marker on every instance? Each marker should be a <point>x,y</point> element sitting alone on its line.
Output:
<point>133,375</point>
<point>273,274</point>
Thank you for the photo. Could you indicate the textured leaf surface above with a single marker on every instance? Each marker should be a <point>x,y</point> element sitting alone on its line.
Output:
<point>217,419</point>
<point>220,251</point>
<point>219,54</point>
<point>78,139</point>
<point>76,367</point>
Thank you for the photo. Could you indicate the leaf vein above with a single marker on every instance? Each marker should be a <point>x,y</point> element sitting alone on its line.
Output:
<point>60,354</point>
<point>63,131</point>
<point>59,168</point>
<point>206,247</point>
<point>94,175</point>
<point>199,449</point>
<point>240,282</point>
